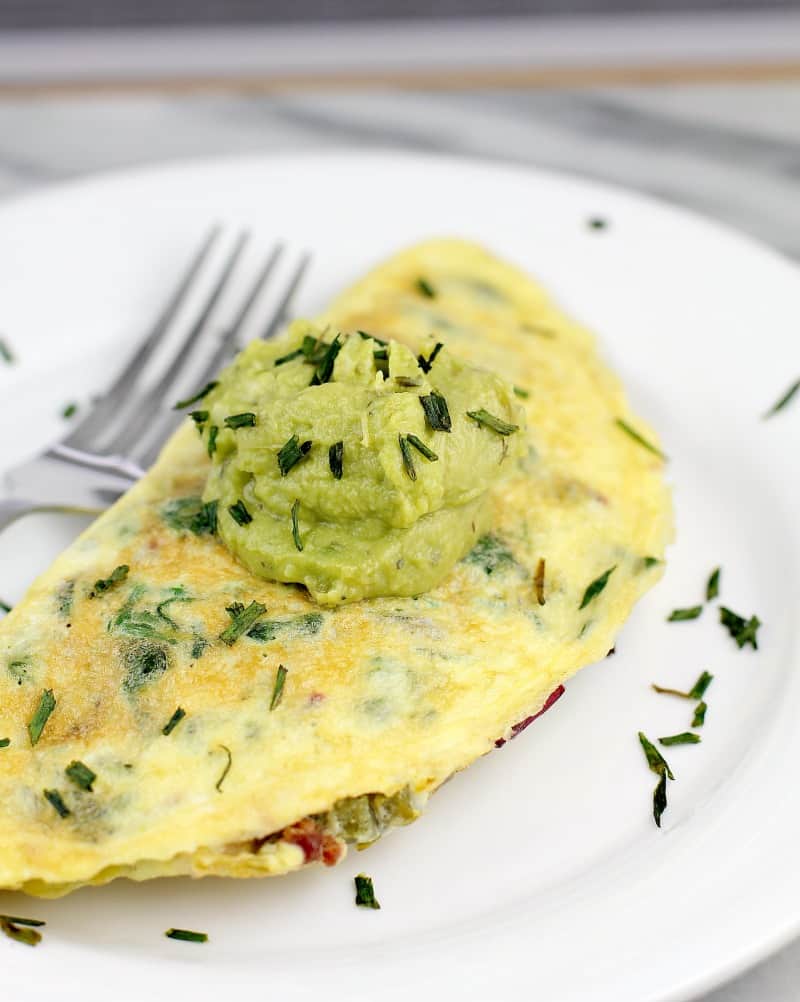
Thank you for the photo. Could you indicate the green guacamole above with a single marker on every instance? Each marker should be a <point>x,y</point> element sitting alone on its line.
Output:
<point>339,463</point>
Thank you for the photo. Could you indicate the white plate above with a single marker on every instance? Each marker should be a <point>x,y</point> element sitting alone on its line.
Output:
<point>539,871</point>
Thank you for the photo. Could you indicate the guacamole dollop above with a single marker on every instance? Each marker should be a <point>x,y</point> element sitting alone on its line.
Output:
<point>352,465</point>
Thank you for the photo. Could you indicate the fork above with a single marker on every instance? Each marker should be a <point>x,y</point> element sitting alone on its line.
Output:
<point>122,434</point>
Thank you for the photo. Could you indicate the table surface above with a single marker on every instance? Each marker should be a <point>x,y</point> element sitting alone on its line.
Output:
<point>729,151</point>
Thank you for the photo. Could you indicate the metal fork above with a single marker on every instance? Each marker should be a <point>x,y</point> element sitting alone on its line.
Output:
<point>123,432</point>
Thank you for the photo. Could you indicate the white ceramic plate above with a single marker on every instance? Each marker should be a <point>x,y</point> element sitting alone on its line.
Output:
<point>539,871</point>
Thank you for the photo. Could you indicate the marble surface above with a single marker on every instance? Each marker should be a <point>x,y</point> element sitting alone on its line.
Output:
<point>731,152</point>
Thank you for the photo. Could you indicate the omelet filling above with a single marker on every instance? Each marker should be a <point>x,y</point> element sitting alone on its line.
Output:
<point>350,465</point>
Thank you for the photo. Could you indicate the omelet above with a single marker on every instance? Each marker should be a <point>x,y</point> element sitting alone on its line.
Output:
<point>159,723</point>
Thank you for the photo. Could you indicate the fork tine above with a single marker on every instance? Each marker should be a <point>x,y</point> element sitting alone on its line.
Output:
<point>97,418</point>
<point>280,311</point>
<point>168,420</point>
<point>124,440</point>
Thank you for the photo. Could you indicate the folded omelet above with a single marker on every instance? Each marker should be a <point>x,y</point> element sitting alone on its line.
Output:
<point>147,739</point>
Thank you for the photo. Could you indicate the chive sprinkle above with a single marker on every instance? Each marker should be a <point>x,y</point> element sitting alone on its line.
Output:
<point>436,413</point>
<point>226,770</point>
<point>408,461</point>
<point>336,459</point>
<point>519,392</point>
<point>296,526</point>
<point>18,920</point>
<point>277,692</point>
<point>685,738</point>
<point>427,363</point>
<point>288,358</point>
<point>594,589</point>
<point>5,742</point>
<point>70,410</point>
<point>424,288</point>
<point>381,354</point>
<point>648,562</point>
<point>365,892</point>
<point>242,620</point>
<point>291,453</point>
<point>181,404</point>
<point>106,584</point>
<point>199,418</point>
<point>681,615</point>
<point>696,692</point>
<point>538,581</point>
<point>4,606</point>
<point>47,703</point>
<point>81,775</point>
<point>239,513</point>
<point>187,935</point>
<point>421,448</point>
<point>784,400</point>
<point>5,352</point>
<point>657,764</point>
<point>743,631</point>
<point>370,337</point>
<point>660,798</point>
<point>16,929</point>
<point>712,588</point>
<point>699,714</point>
<point>407,382</point>
<point>632,433</point>
<point>213,431</point>
<point>173,721</point>
<point>485,419</point>
<point>245,420</point>
<point>324,370</point>
<point>54,797</point>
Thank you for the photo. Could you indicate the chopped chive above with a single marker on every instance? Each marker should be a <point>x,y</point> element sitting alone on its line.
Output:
<point>660,799</point>
<point>381,354</point>
<point>5,742</point>
<point>370,337</point>
<point>655,759</point>
<point>17,920</point>
<point>5,352</point>
<point>239,513</point>
<point>198,396</point>
<point>213,431</point>
<point>226,770</point>
<point>234,609</point>
<point>538,581</point>
<point>485,419</point>
<point>696,692</point>
<point>336,459</point>
<point>594,589</point>
<point>4,606</point>
<point>407,382</point>
<point>743,631</point>
<point>685,738</point>
<point>423,449</point>
<point>365,892</point>
<point>288,358</point>
<point>245,420</point>
<point>199,418</point>
<point>436,413</point>
<point>106,584</point>
<point>242,620</point>
<point>639,438</point>
<point>427,363</point>
<point>54,797</point>
<point>277,692</point>
<point>173,721</point>
<point>519,392</point>
<point>187,935</point>
<point>596,223</point>
<point>15,929</point>
<point>699,714</point>
<point>47,703</point>
<point>425,288</point>
<point>408,461</point>
<point>296,526</point>
<point>648,562</point>
<point>81,775</point>
<point>712,588</point>
<point>324,370</point>
<point>681,615</point>
<point>291,453</point>
<point>70,410</point>
<point>784,400</point>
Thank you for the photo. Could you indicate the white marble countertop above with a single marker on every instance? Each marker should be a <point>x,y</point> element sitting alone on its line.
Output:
<point>731,152</point>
